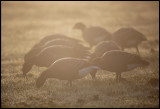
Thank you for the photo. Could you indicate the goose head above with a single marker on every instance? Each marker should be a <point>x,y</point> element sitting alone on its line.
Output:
<point>80,26</point>
<point>26,68</point>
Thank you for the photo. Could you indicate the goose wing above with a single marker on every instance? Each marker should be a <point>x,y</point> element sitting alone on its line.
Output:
<point>96,34</point>
<point>117,60</point>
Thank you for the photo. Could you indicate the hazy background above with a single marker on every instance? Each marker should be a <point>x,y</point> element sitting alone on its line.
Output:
<point>25,23</point>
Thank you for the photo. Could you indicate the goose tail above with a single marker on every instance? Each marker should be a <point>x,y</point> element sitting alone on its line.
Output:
<point>145,63</point>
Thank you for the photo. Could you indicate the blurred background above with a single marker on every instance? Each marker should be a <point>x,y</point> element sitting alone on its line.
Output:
<point>25,23</point>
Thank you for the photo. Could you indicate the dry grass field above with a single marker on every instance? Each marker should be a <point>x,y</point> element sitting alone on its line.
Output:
<point>25,23</point>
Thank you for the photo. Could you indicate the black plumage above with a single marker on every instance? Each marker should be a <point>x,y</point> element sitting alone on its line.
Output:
<point>103,47</point>
<point>93,34</point>
<point>128,37</point>
<point>118,61</point>
<point>50,54</point>
<point>66,69</point>
<point>67,42</point>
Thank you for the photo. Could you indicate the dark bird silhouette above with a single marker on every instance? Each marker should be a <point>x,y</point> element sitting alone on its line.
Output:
<point>54,36</point>
<point>103,47</point>
<point>93,34</point>
<point>67,42</point>
<point>128,37</point>
<point>118,61</point>
<point>50,54</point>
<point>66,69</point>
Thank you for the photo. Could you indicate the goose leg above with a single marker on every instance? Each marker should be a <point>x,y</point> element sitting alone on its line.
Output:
<point>25,78</point>
<point>122,79</point>
<point>70,83</point>
<point>137,49</point>
<point>38,70</point>
<point>122,48</point>
<point>117,77</point>
<point>93,74</point>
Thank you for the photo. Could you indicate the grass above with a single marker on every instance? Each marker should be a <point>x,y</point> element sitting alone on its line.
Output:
<point>25,23</point>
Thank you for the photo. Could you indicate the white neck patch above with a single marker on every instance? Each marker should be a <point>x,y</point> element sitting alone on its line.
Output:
<point>84,71</point>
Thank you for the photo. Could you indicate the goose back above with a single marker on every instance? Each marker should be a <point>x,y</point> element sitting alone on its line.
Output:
<point>119,61</point>
<point>50,54</point>
<point>54,36</point>
<point>128,37</point>
<point>96,34</point>
<point>103,47</point>
<point>34,51</point>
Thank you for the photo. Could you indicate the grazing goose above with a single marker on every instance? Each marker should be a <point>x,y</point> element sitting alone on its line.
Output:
<point>128,37</point>
<point>66,42</point>
<point>94,34</point>
<point>50,54</point>
<point>118,61</point>
<point>66,69</point>
<point>54,36</point>
<point>103,47</point>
